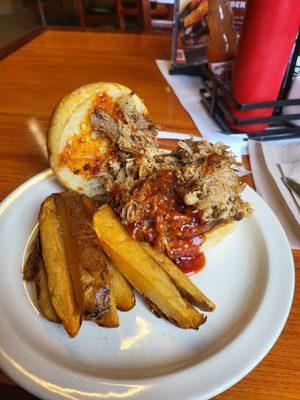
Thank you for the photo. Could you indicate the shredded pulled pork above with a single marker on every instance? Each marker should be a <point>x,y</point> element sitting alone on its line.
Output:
<point>205,176</point>
<point>131,132</point>
<point>168,200</point>
<point>208,180</point>
<point>171,200</point>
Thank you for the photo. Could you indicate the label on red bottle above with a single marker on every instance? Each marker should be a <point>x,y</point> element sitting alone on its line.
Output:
<point>222,70</point>
<point>239,12</point>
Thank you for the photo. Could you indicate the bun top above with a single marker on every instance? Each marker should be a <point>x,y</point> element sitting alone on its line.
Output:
<point>83,128</point>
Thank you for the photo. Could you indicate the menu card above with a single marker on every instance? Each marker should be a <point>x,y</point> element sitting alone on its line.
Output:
<point>191,34</point>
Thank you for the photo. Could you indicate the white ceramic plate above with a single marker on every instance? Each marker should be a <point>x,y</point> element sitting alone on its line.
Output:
<point>249,275</point>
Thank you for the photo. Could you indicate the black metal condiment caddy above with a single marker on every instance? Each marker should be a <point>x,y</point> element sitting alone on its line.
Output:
<point>215,96</point>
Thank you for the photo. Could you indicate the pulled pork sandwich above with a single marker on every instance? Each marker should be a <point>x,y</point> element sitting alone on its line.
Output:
<point>101,141</point>
<point>90,125</point>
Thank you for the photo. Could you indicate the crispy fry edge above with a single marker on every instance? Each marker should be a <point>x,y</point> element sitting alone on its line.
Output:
<point>185,286</point>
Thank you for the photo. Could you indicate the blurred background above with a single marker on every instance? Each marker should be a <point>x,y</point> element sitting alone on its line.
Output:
<point>19,17</point>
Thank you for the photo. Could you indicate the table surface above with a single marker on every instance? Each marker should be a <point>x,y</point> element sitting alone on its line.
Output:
<point>33,80</point>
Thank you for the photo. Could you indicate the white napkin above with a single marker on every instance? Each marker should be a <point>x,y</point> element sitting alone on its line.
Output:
<point>268,190</point>
<point>292,170</point>
<point>276,155</point>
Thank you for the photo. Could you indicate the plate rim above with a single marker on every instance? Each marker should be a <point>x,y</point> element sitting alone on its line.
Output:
<point>41,391</point>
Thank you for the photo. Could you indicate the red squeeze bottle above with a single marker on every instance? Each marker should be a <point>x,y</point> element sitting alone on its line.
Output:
<point>268,35</point>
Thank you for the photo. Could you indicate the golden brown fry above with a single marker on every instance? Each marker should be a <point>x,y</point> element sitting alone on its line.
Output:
<point>93,268</point>
<point>43,294</point>
<point>182,282</point>
<point>111,318</point>
<point>142,271</point>
<point>71,249</point>
<point>59,279</point>
<point>121,289</point>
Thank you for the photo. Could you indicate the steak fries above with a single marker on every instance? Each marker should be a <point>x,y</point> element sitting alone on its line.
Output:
<point>142,271</point>
<point>72,276</point>
<point>86,266</point>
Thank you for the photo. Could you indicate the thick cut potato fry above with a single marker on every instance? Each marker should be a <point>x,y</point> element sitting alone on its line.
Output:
<point>43,294</point>
<point>89,259</point>
<point>71,249</point>
<point>153,283</point>
<point>121,289</point>
<point>181,281</point>
<point>142,271</point>
<point>59,279</point>
<point>111,318</point>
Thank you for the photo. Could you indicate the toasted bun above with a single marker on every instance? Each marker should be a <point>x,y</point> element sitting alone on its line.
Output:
<point>71,118</point>
<point>217,234</point>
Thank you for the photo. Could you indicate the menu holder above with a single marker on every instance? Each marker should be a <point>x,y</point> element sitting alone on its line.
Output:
<point>190,37</point>
<point>191,34</point>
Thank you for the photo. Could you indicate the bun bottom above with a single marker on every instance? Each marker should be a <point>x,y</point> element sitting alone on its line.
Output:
<point>217,234</point>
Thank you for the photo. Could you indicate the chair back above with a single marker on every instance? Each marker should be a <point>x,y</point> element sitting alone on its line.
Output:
<point>162,21</point>
<point>150,18</point>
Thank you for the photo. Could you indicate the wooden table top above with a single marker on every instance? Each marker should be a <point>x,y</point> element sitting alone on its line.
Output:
<point>35,77</point>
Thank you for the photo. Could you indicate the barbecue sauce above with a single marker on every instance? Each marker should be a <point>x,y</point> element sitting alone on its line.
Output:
<point>105,102</point>
<point>191,265</point>
<point>167,224</point>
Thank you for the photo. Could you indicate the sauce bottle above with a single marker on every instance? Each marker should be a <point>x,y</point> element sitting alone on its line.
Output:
<point>268,35</point>
<point>223,39</point>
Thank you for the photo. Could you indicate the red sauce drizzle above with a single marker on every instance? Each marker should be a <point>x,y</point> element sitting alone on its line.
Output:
<point>167,224</point>
<point>191,265</point>
<point>107,103</point>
